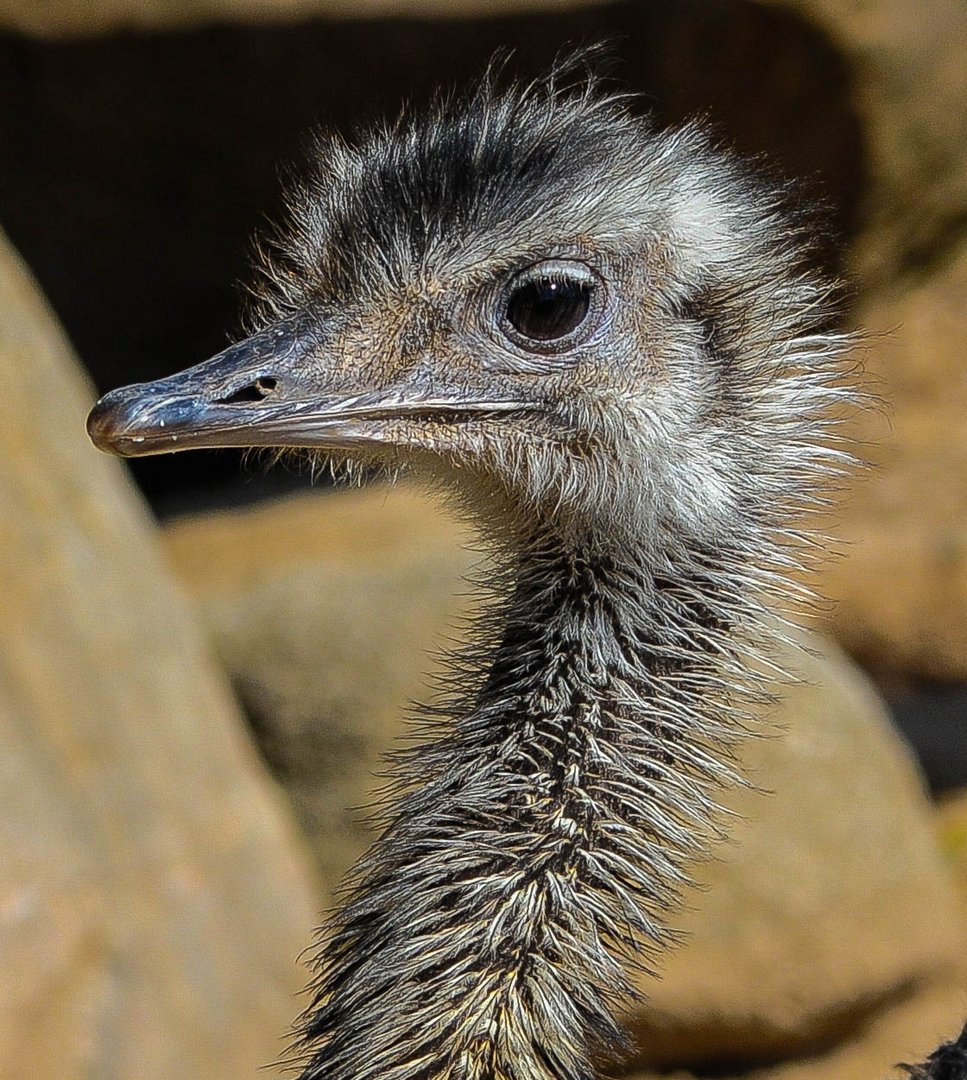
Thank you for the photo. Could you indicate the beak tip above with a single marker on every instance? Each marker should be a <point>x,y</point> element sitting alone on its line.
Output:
<point>110,421</point>
<point>101,425</point>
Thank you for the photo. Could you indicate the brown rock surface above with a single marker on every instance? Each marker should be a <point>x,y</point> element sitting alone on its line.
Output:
<point>952,823</point>
<point>153,893</point>
<point>322,607</point>
<point>910,89</point>
<point>901,587</point>
<point>813,916</point>
<point>906,1029</point>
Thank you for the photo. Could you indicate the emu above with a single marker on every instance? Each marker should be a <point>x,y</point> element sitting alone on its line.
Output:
<point>604,342</point>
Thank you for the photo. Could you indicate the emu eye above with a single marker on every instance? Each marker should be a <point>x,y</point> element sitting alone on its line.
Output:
<point>548,303</point>
<point>548,308</point>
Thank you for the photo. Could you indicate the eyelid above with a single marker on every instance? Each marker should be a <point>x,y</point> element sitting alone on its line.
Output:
<point>554,270</point>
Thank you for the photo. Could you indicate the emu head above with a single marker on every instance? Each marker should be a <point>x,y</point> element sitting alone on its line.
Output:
<point>535,296</point>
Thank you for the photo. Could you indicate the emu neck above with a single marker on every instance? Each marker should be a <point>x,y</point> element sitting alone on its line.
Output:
<point>537,838</point>
<point>593,618</point>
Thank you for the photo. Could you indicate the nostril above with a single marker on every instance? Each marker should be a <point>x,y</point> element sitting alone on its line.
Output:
<point>253,391</point>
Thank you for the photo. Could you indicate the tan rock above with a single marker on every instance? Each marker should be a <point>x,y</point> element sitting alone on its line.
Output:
<point>910,92</point>
<point>901,587</point>
<point>323,609</point>
<point>807,923</point>
<point>952,824</point>
<point>915,1025</point>
<point>153,893</point>
<point>905,1030</point>
<point>815,915</point>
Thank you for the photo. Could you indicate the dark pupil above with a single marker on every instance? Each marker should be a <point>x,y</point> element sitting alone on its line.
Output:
<point>548,308</point>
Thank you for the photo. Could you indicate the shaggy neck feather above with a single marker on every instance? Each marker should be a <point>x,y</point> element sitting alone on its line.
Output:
<point>537,836</point>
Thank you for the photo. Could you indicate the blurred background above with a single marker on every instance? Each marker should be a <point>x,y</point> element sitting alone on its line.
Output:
<point>202,659</point>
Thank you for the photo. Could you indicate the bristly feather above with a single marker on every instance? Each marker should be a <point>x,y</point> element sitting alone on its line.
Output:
<point>947,1062</point>
<point>366,211</point>
<point>537,833</point>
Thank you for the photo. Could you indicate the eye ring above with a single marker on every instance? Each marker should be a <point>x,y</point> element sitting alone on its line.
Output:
<point>551,306</point>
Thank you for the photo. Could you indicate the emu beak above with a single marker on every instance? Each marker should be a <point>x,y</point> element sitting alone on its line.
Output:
<point>272,389</point>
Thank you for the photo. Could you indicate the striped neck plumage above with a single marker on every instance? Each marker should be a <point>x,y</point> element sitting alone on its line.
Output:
<point>538,831</point>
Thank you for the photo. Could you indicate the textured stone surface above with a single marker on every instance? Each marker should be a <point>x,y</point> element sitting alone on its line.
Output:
<point>814,915</point>
<point>323,609</point>
<point>907,524</point>
<point>903,584</point>
<point>323,606</point>
<point>952,824</point>
<point>153,894</point>
<point>901,587</point>
<point>906,1029</point>
<point>910,89</point>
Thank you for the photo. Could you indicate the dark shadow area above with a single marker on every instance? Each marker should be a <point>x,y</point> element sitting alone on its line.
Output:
<point>933,717</point>
<point>136,167</point>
